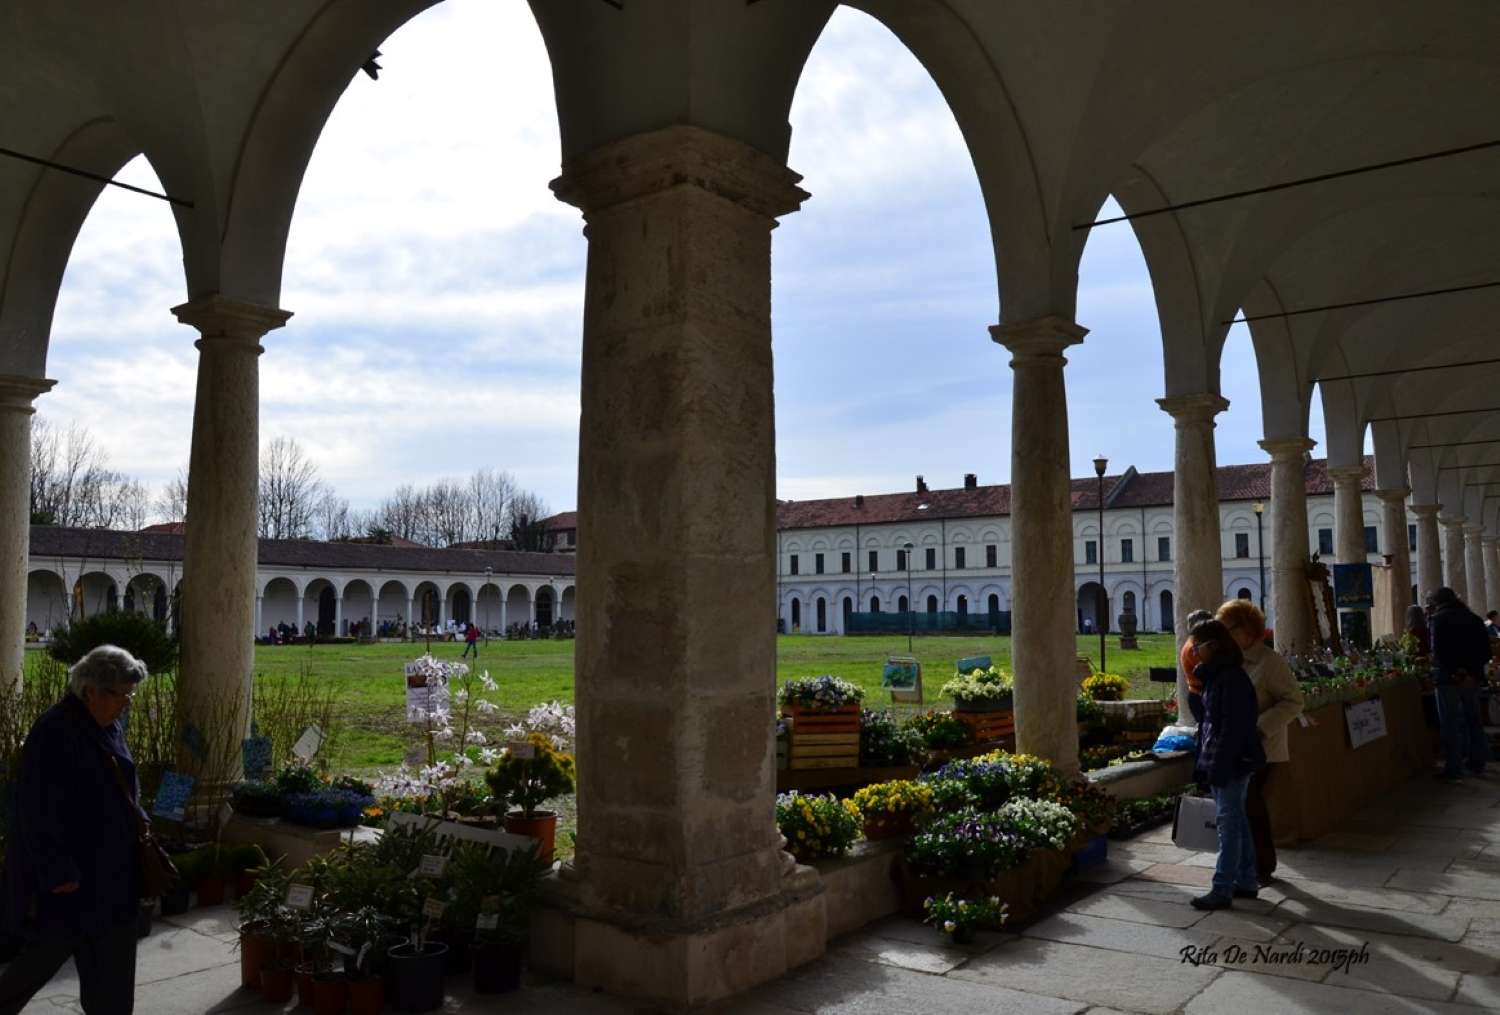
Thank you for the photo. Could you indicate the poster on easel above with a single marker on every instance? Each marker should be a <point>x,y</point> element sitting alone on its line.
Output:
<point>902,676</point>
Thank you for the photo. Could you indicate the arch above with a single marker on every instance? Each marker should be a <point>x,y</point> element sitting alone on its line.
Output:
<point>1243,592</point>
<point>992,603</point>
<point>1127,601</point>
<point>518,604</point>
<point>1165,605</point>
<point>874,603</point>
<point>567,603</point>
<point>932,604</point>
<point>428,604</point>
<point>278,604</point>
<point>546,606</point>
<point>318,605</point>
<point>359,606</point>
<point>821,606</point>
<point>961,606</point>
<point>848,611</point>
<point>460,603</point>
<point>146,594</point>
<point>1093,608</point>
<point>902,604</point>
<point>796,610</point>
<point>47,604</point>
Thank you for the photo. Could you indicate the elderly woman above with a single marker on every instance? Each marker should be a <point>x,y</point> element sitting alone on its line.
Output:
<point>1279,699</point>
<point>74,840</point>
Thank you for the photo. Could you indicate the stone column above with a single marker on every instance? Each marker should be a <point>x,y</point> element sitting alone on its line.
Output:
<point>1296,628</point>
<point>219,553</point>
<point>301,611</point>
<point>1393,521</point>
<point>1491,575</point>
<point>1455,563</point>
<point>338,615</point>
<point>16,397</point>
<point>259,619</point>
<point>1477,593</point>
<point>410,604</point>
<point>503,622</point>
<point>1429,550</point>
<point>1197,564</point>
<point>1043,649</point>
<point>680,879</point>
<point>1349,518</point>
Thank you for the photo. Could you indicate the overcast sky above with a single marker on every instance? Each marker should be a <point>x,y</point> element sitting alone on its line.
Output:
<point>437,288</point>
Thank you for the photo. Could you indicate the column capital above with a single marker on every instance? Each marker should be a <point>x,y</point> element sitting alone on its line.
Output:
<point>1490,541</point>
<point>17,393</point>
<point>679,156</point>
<point>1346,473</point>
<point>1043,338</point>
<point>1473,529</point>
<point>1396,496</point>
<point>1425,510</point>
<point>218,317</point>
<point>1283,449</point>
<point>1452,521</point>
<point>1199,408</point>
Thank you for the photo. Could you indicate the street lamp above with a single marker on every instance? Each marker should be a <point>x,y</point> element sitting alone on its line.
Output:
<point>1101,602</point>
<point>910,615</point>
<point>1260,549</point>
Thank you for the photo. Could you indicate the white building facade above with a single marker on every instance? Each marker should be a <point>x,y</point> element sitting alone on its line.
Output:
<point>848,555</point>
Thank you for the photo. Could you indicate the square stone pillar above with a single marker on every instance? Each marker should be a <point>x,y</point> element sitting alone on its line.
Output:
<point>1429,550</point>
<point>680,888</point>
<point>219,548</point>
<point>1043,649</point>
<point>16,397</point>
<point>1291,599</point>
<point>1198,558</point>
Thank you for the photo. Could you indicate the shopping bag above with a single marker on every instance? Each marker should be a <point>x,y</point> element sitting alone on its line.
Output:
<point>1196,827</point>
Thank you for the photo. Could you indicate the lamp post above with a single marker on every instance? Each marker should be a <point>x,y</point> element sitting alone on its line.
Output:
<point>910,614</point>
<point>1260,549</point>
<point>1101,602</point>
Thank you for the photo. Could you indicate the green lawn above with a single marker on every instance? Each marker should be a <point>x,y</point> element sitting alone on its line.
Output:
<point>370,688</point>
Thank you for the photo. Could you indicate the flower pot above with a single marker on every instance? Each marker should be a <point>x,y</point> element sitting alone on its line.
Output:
<point>887,826</point>
<point>367,997</point>
<point>497,968</point>
<point>963,935</point>
<point>178,900</point>
<point>210,892</point>
<point>257,950</point>
<point>305,971</point>
<point>276,983</point>
<point>330,994</point>
<point>542,827</point>
<point>417,976</point>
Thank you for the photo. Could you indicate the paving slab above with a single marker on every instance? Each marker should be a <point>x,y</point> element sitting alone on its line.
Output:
<point>1363,898</point>
<point>1136,909</point>
<point>1237,923</point>
<point>904,928</point>
<point>1178,874</point>
<point>1264,958</point>
<point>1246,992</point>
<point>1370,842</point>
<point>214,921</point>
<point>1480,990</point>
<point>1182,895</point>
<point>846,987</point>
<point>1098,976</point>
<point>1120,935</point>
<point>1468,886</point>
<point>923,958</point>
<point>1110,871</point>
<point>1380,921</point>
<point>1154,852</point>
<point>1419,968</point>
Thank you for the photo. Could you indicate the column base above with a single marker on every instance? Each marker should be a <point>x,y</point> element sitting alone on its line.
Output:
<point>681,966</point>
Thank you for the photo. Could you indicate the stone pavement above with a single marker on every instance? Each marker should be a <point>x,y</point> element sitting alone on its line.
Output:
<point>1410,885</point>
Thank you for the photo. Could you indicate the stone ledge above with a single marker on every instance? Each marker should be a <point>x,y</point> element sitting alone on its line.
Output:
<point>296,843</point>
<point>1136,779</point>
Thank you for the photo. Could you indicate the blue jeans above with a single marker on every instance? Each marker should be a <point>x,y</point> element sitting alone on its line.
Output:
<point>1462,729</point>
<point>1236,865</point>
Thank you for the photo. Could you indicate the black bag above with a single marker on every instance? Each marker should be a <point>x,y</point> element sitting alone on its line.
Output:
<point>158,873</point>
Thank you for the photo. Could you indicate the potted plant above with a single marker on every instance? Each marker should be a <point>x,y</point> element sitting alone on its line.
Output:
<point>816,826</point>
<point>892,809</point>
<point>212,881</point>
<point>961,918</point>
<point>504,885</point>
<point>256,799</point>
<point>246,862</point>
<point>526,778</point>
<point>1106,687</point>
<point>363,936</point>
<point>258,910</point>
<point>278,975</point>
<point>820,694</point>
<point>417,969</point>
<point>312,935</point>
<point>981,690</point>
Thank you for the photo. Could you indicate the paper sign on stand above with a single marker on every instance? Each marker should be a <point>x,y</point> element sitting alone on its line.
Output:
<point>521,749</point>
<point>172,796</point>
<point>431,866</point>
<point>308,743</point>
<point>299,896</point>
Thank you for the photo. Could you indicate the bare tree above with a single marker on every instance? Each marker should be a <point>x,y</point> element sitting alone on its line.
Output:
<point>527,514</point>
<point>171,506</point>
<point>402,514</point>
<point>450,512</point>
<point>289,491</point>
<point>490,493</point>
<point>332,519</point>
<point>72,484</point>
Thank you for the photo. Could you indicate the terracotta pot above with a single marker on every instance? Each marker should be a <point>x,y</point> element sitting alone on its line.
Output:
<point>211,892</point>
<point>305,972</point>
<point>542,827</point>
<point>256,951</point>
<point>330,994</point>
<point>367,997</point>
<point>276,983</point>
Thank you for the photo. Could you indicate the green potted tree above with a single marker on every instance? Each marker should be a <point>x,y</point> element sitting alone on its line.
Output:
<point>278,978</point>
<point>526,776</point>
<point>363,936</point>
<point>417,964</point>
<point>258,909</point>
<point>494,893</point>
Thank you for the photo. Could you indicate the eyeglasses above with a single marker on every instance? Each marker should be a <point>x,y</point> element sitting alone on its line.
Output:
<point>129,696</point>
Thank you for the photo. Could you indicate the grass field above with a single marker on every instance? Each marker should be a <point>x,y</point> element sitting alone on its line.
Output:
<point>369,686</point>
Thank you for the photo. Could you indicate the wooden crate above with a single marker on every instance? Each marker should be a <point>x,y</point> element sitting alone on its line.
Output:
<point>844,720</point>
<point>988,725</point>
<point>824,750</point>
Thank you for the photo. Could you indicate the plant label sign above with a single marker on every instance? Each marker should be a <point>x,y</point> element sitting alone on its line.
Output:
<point>1366,721</point>
<point>522,749</point>
<point>431,866</point>
<point>256,759</point>
<point>903,676</point>
<point>433,909</point>
<point>308,743</point>
<point>172,796</point>
<point>299,896</point>
<point>487,921</point>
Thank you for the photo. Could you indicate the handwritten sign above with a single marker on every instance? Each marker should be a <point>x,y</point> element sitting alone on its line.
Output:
<point>433,909</point>
<point>1366,722</point>
<point>521,749</point>
<point>487,921</point>
<point>431,866</point>
<point>299,896</point>
<point>172,796</point>
<point>308,743</point>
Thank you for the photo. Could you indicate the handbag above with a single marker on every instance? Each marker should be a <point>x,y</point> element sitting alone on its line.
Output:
<point>158,873</point>
<point>1196,826</point>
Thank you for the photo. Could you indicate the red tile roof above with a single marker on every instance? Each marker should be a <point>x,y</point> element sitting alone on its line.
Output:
<point>1131,489</point>
<point>561,522</point>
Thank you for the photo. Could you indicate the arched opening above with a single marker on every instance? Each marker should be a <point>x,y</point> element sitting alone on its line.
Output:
<point>902,605</point>
<point>487,608</point>
<point>392,610</point>
<point>460,609</point>
<point>1167,619</point>
<point>1127,603</point>
<point>963,608</point>
<point>822,618</point>
<point>326,612</point>
<point>993,604</point>
<point>278,609</point>
<point>359,609</point>
<point>427,606</point>
<point>1243,593</point>
<point>517,607</point>
<point>1093,609</point>
<point>848,612</point>
<point>874,604</point>
<point>545,608</point>
<point>796,615</point>
<point>95,593</point>
<point>46,603</point>
<point>932,604</point>
<point>567,604</point>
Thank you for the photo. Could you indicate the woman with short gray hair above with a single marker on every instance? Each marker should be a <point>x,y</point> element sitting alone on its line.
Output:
<point>74,841</point>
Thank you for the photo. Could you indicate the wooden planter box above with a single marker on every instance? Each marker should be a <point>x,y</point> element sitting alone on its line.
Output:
<point>823,739</point>
<point>988,725</point>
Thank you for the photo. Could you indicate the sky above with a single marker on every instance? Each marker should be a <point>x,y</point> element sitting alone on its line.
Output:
<point>437,292</point>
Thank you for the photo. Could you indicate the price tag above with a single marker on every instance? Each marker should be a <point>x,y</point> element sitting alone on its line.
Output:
<point>523,749</point>
<point>433,909</point>
<point>299,896</point>
<point>432,866</point>
<point>487,921</point>
<point>308,743</point>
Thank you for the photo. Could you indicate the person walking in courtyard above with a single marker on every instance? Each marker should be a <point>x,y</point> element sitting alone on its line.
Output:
<point>471,640</point>
<point>1229,752</point>
<point>1278,698</point>
<point>1460,652</point>
<point>73,856</point>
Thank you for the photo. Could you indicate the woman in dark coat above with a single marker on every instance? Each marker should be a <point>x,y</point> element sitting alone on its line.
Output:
<point>73,860</point>
<point>1229,753</point>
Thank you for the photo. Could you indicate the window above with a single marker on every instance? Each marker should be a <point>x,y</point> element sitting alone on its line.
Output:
<point>1411,539</point>
<point>874,561</point>
<point>1372,544</point>
<point>931,559</point>
<point>794,563</point>
<point>1090,552</point>
<point>990,555</point>
<point>847,562</point>
<point>963,606</point>
<point>932,604</point>
<point>796,614</point>
<point>901,605</point>
<point>958,558</point>
<point>1325,541</point>
<point>900,560</point>
<point>822,615</point>
<point>1242,545</point>
<point>818,563</point>
<point>874,603</point>
<point>1127,551</point>
<point>1163,547</point>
